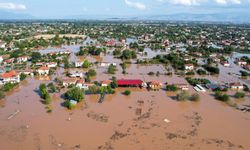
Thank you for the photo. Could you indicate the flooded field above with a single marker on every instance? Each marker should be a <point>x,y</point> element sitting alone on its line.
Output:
<point>144,120</point>
<point>120,122</point>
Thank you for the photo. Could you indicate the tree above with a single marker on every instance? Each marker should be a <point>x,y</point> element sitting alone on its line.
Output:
<point>8,86</point>
<point>23,76</point>
<point>222,97</point>
<point>127,54</point>
<point>239,95</point>
<point>127,92</point>
<point>81,52</point>
<point>111,69</point>
<point>201,72</point>
<point>182,96</point>
<point>171,88</point>
<point>116,52</point>
<point>123,65</point>
<point>194,97</point>
<point>66,63</point>
<point>42,86</point>
<point>86,64</point>
<point>44,94</point>
<point>36,56</point>
<point>244,73</point>
<point>75,93</point>
<point>212,69</point>
<point>2,95</point>
<point>68,104</point>
<point>91,73</point>
<point>114,84</point>
<point>52,88</point>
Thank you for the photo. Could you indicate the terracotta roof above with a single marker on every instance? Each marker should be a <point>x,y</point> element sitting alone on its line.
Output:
<point>129,82</point>
<point>81,81</point>
<point>189,65</point>
<point>23,57</point>
<point>106,82</point>
<point>43,68</point>
<point>155,83</point>
<point>10,74</point>
<point>235,84</point>
<point>70,80</point>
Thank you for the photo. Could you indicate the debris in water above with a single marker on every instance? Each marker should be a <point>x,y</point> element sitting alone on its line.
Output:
<point>14,114</point>
<point>138,111</point>
<point>167,121</point>
<point>69,119</point>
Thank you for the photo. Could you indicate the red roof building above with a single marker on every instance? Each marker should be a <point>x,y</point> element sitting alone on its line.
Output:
<point>127,82</point>
<point>10,74</point>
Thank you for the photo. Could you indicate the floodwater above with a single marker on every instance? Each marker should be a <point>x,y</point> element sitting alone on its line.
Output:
<point>114,124</point>
<point>123,122</point>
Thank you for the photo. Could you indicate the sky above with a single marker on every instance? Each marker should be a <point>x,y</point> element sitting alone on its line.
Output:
<point>120,8</point>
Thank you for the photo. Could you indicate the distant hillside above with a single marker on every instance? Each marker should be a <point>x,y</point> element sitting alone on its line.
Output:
<point>236,18</point>
<point>4,15</point>
<point>216,17</point>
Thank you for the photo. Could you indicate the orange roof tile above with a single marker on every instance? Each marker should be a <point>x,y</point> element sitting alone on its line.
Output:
<point>10,74</point>
<point>43,68</point>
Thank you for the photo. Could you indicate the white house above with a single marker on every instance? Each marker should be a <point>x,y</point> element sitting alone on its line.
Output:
<point>241,63</point>
<point>2,45</point>
<point>10,77</point>
<point>76,74</point>
<point>81,84</point>
<point>236,86</point>
<point>86,86</point>
<point>189,66</point>
<point>183,86</point>
<point>105,64</point>
<point>106,82</point>
<point>1,59</point>
<point>39,64</point>
<point>225,63</point>
<point>22,59</point>
<point>51,64</point>
<point>78,64</point>
<point>69,81</point>
<point>43,70</point>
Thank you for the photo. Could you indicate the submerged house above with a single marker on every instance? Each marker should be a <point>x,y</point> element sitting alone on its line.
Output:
<point>130,83</point>
<point>43,70</point>
<point>189,67</point>
<point>51,64</point>
<point>106,83</point>
<point>214,86</point>
<point>76,74</point>
<point>225,63</point>
<point>236,86</point>
<point>22,59</point>
<point>9,77</point>
<point>106,64</point>
<point>78,64</point>
<point>155,85</point>
<point>182,86</point>
<point>69,81</point>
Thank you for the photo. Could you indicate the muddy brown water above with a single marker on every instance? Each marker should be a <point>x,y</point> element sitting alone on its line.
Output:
<point>115,123</point>
<point>207,124</point>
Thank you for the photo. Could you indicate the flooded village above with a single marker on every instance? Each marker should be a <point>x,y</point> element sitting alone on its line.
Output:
<point>124,85</point>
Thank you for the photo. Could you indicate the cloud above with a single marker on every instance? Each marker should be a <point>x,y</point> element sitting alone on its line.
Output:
<point>198,2</point>
<point>224,2</point>
<point>12,6</point>
<point>182,2</point>
<point>136,5</point>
